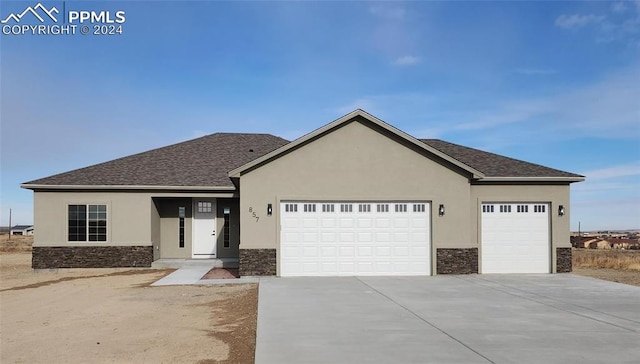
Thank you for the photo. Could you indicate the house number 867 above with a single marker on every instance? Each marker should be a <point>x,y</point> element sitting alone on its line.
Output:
<point>253,214</point>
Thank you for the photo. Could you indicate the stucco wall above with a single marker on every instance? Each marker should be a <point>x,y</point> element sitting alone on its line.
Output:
<point>155,229</point>
<point>128,221</point>
<point>555,195</point>
<point>169,227</point>
<point>354,163</point>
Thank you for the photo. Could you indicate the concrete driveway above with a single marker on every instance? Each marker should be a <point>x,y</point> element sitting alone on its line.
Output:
<point>558,318</point>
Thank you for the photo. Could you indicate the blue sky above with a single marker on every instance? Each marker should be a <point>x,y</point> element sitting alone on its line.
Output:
<point>555,83</point>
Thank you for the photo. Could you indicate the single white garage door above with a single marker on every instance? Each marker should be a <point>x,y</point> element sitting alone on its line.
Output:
<point>349,239</point>
<point>515,238</point>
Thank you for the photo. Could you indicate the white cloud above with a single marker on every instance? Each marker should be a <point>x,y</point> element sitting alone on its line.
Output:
<point>406,61</point>
<point>387,11</point>
<point>630,169</point>
<point>576,21</point>
<point>622,24</point>
<point>619,6</point>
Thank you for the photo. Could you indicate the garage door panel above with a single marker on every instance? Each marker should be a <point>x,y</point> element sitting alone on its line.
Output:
<point>355,239</point>
<point>515,238</point>
<point>365,237</point>
<point>346,251</point>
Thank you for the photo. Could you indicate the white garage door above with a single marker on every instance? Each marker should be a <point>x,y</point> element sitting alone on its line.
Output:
<point>347,238</point>
<point>515,238</point>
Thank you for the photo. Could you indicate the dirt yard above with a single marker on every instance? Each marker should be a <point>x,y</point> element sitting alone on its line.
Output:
<point>622,266</point>
<point>113,315</point>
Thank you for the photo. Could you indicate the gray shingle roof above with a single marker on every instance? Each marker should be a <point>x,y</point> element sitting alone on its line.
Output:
<point>204,161</point>
<point>494,165</point>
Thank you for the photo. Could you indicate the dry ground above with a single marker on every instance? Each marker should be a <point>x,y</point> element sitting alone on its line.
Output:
<point>113,315</point>
<point>621,266</point>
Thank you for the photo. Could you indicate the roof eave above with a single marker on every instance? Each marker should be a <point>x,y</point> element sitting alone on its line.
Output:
<point>238,171</point>
<point>532,179</point>
<point>30,186</point>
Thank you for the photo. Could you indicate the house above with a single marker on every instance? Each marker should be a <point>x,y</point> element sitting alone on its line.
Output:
<point>22,230</point>
<point>354,197</point>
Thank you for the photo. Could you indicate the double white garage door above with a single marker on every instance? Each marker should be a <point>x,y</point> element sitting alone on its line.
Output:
<point>354,238</point>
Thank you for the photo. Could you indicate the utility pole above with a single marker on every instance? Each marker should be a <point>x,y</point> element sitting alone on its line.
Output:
<point>9,226</point>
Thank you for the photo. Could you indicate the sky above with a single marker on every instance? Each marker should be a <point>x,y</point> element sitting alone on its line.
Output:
<point>554,83</point>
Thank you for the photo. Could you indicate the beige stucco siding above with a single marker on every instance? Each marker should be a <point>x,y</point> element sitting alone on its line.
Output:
<point>170,228</point>
<point>555,195</point>
<point>133,219</point>
<point>128,220</point>
<point>354,163</point>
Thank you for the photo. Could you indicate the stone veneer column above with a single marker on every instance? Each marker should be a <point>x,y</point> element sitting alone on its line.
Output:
<point>47,257</point>
<point>564,264</point>
<point>257,262</point>
<point>457,261</point>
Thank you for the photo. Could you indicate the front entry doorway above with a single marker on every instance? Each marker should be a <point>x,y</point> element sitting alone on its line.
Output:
<point>204,228</point>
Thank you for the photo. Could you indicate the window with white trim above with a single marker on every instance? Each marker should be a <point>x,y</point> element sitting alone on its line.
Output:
<point>87,222</point>
<point>205,206</point>
<point>364,207</point>
<point>487,208</point>
<point>309,207</point>
<point>418,207</point>
<point>291,207</point>
<point>505,208</point>
<point>327,207</point>
<point>523,208</point>
<point>401,207</point>
<point>346,207</point>
<point>382,207</point>
<point>539,208</point>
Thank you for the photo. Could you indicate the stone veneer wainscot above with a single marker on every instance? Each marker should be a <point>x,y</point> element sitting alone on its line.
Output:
<point>45,257</point>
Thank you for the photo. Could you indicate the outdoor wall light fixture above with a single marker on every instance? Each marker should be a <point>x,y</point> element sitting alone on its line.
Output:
<point>269,209</point>
<point>441,210</point>
<point>561,210</point>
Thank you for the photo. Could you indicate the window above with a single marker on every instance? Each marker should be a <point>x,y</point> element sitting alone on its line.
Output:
<point>539,208</point>
<point>291,207</point>
<point>87,222</point>
<point>487,208</point>
<point>382,207</point>
<point>523,208</point>
<point>327,207</point>
<point>226,236</point>
<point>181,214</point>
<point>346,207</point>
<point>364,207</point>
<point>204,206</point>
<point>401,207</point>
<point>505,208</point>
<point>309,207</point>
<point>418,207</point>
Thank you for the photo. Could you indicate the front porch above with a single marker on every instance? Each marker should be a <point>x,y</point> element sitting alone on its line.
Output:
<point>195,230</point>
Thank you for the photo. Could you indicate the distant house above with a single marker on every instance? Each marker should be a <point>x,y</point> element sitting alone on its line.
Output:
<point>22,230</point>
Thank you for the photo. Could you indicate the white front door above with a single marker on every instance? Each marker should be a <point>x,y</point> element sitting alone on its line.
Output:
<point>204,228</point>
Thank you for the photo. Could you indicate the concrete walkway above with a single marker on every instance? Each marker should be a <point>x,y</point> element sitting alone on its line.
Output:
<point>191,271</point>
<point>558,318</point>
